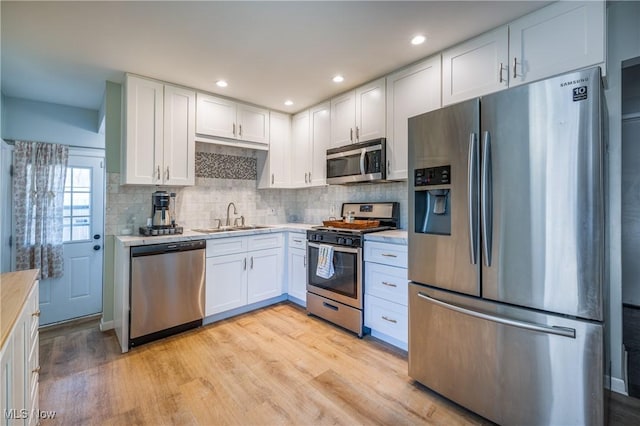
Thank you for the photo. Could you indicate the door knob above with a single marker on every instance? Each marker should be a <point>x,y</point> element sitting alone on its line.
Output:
<point>96,247</point>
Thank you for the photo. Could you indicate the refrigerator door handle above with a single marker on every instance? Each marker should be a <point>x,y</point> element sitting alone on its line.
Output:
<point>486,198</point>
<point>472,187</point>
<point>560,331</point>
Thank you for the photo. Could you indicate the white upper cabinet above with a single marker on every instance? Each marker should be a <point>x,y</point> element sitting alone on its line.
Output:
<point>310,136</point>
<point>179,136</point>
<point>274,173</point>
<point>300,149</point>
<point>218,117</point>
<point>359,115</point>
<point>411,91</point>
<point>343,119</point>
<point>561,37</point>
<point>320,128</point>
<point>558,38</point>
<point>158,147</point>
<point>370,111</point>
<point>476,67</point>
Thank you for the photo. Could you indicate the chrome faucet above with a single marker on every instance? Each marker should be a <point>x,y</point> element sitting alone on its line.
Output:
<point>228,222</point>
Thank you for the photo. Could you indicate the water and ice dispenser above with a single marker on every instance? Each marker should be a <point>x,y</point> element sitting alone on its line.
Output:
<point>433,200</point>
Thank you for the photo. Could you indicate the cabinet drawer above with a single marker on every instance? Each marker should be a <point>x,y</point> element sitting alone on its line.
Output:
<point>264,241</point>
<point>386,317</point>
<point>224,246</point>
<point>387,254</point>
<point>386,282</point>
<point>297,240</point>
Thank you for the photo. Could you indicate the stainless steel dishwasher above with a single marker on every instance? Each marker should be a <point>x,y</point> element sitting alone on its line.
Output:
<point>167,290</point>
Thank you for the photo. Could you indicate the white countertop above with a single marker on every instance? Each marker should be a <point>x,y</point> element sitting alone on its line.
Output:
<point>395,236</point>
<point>189,235</point>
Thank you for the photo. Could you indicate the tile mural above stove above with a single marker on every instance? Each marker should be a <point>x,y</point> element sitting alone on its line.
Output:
<point>223,166</point>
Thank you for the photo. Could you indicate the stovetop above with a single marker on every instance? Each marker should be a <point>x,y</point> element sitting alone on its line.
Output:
<point>351,230</point>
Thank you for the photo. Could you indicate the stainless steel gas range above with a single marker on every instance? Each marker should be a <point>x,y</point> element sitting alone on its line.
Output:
<point>338,296</point>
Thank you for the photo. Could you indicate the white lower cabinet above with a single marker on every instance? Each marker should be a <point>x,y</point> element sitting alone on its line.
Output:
<point>386,290</point>
<point>242,270</point>
<point>20,367</point>
<point>297,268</point>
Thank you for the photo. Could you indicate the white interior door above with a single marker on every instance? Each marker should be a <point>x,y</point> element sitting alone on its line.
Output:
<point>78,292</point>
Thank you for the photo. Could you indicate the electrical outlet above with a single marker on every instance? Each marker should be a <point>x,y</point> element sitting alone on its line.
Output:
<point>332,210</point>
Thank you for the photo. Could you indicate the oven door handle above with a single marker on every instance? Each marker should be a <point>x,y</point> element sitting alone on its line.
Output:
<point>337,248</point>
<point>363,155</point>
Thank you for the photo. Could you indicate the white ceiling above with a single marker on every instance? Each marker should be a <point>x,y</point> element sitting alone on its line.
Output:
<point>62,52</point>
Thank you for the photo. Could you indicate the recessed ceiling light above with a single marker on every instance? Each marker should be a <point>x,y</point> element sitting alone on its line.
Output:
<point>221,83</point>
<point>338,79</point>
<point>419,39</point>
<point>288,102</point>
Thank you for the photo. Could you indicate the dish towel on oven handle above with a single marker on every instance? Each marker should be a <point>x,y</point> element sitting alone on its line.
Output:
<point>325,261</point>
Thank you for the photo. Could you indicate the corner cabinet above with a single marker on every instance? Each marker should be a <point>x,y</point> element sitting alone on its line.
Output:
<point>359,115</point>
<point>411,91</point>
<point>223,118</point>
<point>242,271</point>
<point>158,144</point>
<point>562,37</point>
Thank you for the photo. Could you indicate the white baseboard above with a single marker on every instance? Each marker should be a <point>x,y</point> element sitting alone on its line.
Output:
<point>618,386</point>
<point>105,325</point>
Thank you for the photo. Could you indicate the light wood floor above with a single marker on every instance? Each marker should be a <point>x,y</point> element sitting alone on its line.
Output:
<point>272,366</point>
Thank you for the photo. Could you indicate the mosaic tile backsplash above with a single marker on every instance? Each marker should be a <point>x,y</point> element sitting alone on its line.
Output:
<point>223,166</point>
<point>199,205</point>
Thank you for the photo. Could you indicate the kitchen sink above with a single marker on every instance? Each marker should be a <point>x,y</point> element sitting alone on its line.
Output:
<point>229,229</point>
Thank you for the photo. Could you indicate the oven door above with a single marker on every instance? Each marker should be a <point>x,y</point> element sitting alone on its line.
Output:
<point>345,286</point>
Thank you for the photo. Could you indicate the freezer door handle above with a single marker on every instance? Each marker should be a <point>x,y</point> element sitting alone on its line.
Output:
<point>560,331</point>
<point>486,199</point>
<point>472,191</point>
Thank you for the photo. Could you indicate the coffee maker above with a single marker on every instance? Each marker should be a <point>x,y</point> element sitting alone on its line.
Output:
<point>163,220</point>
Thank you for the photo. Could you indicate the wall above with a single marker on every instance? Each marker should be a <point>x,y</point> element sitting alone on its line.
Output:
<point>45,122</point>
<point>623,43</point>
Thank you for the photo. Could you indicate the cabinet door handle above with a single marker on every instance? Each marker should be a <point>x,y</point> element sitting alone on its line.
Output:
<point>357,133</point>
<point>305,178</point>
<point>351,134</point>
<point>158,173</point>
<point>167,172</point>
<point>297,241</point>
<point>251,262</point>
<point>388,166</point>
<point>36,313</point>
<point>389,284</point>
<point>36,370</point>
<point>500,72</point>
<point>245,264</point>
<point>388,255</point>
<point>234,129</point>
<point>305,260</point>
<point>272,178</point>
<point>389,319</point>
<point>240,130</point>
<point>515,62</point>
<point>309,177</point>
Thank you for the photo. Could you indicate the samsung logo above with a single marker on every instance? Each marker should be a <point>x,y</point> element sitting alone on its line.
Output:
<point>572,82</point>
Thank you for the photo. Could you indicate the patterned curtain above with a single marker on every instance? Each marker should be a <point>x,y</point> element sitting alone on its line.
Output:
<point>39,171</point>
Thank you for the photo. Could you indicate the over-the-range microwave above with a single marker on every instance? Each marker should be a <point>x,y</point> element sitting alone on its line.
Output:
<point>357,162</point>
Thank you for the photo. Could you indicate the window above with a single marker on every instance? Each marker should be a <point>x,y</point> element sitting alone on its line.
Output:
<point>77,205</point>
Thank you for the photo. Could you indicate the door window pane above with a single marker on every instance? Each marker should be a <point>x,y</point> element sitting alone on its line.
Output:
<point>77,204</point>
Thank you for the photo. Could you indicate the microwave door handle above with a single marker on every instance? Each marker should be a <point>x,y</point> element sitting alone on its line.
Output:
<point>363,155</point>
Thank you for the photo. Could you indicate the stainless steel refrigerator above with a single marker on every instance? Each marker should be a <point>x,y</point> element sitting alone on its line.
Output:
<point>506,245</point>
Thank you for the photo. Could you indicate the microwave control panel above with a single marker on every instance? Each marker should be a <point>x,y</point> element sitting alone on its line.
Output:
<point>432,176</point>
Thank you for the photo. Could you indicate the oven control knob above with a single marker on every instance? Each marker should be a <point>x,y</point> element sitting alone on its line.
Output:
<point>340,240</point>
<point>349,241</point>
<point>319,238</point>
